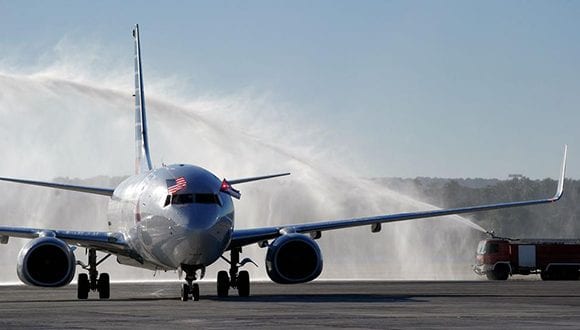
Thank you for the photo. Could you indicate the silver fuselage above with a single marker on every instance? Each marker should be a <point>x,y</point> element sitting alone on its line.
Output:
<point>168,235</point>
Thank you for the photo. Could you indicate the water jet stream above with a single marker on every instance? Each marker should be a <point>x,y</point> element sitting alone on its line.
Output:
<point>54,127</point>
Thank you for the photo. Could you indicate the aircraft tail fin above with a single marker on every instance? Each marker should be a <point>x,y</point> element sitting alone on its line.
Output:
<point>142,156</point>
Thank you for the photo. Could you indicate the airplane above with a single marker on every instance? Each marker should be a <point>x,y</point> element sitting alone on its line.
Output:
<point>181,217</point>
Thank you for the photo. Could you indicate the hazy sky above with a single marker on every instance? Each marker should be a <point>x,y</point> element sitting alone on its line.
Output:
<point>402,88</point>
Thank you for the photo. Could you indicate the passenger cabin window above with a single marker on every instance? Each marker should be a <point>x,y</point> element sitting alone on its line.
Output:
<point>181,199</point>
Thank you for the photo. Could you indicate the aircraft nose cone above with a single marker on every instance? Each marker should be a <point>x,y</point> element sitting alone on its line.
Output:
<point>196,218</point>
<point>204,238</point>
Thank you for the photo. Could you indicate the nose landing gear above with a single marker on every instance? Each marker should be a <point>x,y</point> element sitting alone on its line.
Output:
<point>190,290</point>
<point>236,279</point>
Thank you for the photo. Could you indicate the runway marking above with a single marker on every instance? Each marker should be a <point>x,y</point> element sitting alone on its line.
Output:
<point>158,292</point>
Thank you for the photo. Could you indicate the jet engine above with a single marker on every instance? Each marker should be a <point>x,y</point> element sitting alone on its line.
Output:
<point>293,258</point>
<point>47,262</point>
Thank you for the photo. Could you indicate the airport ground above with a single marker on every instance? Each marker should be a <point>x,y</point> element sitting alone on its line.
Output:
<point>371,305</point>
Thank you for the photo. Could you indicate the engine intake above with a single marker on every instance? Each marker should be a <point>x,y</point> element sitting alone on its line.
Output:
<point>46,262</point>
<point>293,258</point>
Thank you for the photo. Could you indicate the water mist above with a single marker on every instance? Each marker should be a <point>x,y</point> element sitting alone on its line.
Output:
<point>53,127</point>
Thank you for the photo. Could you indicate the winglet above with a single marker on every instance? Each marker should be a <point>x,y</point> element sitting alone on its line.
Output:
<point>142,156</point>
<point>560,190</point>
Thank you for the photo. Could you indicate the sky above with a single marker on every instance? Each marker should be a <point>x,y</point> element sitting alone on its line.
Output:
<point>390,88</point>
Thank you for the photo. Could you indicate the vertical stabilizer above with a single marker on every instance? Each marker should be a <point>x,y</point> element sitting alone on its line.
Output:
<point>142,157</point>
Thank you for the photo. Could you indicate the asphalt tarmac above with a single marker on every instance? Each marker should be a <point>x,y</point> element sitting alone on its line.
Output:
<point>379,305</point>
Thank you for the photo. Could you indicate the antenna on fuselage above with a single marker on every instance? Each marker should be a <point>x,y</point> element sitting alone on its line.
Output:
<point>142,156</point>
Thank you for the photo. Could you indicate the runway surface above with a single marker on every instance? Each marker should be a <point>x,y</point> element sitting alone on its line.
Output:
<point>483,305</point>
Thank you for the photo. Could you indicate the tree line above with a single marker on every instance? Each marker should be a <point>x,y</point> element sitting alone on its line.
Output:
<point>557,220</point>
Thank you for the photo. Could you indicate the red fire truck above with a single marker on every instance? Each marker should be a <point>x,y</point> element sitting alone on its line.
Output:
<point>498,258</point>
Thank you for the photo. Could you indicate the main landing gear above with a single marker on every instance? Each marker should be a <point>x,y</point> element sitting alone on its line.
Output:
<point>190,290</point>
<point>235,279</point>
<point>92,281</point>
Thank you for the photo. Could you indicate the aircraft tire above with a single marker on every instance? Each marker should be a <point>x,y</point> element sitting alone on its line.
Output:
<point>195,292</point>
<point>223,284</point>
<point>83,286</point>
<point>104,286</point>
<point>184,292</point>
<point>244,283</point>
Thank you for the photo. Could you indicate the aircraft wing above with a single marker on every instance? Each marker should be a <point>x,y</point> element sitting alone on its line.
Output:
<point>249,236</point>
<point>104,241</point>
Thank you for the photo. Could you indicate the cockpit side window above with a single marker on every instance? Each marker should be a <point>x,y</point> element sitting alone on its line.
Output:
<point>180,199</point>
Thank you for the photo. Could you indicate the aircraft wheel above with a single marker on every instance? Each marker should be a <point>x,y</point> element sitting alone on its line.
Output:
<point>184,292</point>
<point>223,283</point>
<point>104,286</point>
<point>244,283</point>
<point>195,292</point>
<point>83,286</point>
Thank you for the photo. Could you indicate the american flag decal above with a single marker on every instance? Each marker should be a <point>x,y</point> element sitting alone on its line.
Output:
<point>175,185</point>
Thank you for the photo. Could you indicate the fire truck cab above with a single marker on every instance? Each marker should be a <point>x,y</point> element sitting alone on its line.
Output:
<point>498,259</point>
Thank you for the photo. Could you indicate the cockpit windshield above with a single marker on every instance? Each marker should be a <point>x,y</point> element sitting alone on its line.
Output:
<point>180,199</point>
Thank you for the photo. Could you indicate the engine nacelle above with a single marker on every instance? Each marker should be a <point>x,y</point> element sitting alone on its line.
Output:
<point>47,262</point>
<point>293,258</point>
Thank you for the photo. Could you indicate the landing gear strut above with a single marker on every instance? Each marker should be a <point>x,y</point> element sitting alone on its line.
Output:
<point>235,279</point>
<point>92,281</point>
<point>190,289</point>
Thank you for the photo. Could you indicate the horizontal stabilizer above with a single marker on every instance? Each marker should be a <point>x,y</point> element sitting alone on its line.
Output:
<point>228,189</point>
<point>256,178</point>
<point>84,189</point>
